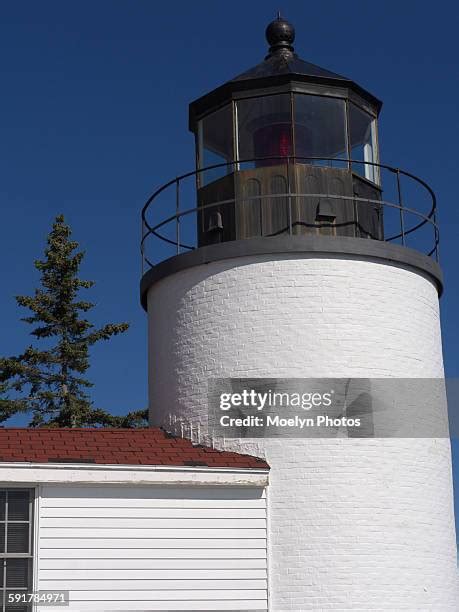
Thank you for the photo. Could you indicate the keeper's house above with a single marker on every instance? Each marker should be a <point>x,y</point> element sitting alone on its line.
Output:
<point>130,520</point>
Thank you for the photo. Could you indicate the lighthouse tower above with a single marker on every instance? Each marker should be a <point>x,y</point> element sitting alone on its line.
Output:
<point>293,252</point>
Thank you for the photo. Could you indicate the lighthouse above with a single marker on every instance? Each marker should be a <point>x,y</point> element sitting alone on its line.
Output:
<point>293,252</point>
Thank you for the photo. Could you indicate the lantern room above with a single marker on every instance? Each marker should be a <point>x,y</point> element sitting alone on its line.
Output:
<point>286,148</point>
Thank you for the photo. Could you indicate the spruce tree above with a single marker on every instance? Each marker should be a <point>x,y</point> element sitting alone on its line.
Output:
<point>49,381</point>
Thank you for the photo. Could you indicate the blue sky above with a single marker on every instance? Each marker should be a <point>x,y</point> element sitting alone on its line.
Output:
<point>94,115</point>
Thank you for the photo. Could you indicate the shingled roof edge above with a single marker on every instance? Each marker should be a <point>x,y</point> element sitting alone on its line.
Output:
<point>108,446</point>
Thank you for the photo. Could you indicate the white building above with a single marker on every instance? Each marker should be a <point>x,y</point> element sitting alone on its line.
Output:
<point>130,520</point>
<point>292,261</point>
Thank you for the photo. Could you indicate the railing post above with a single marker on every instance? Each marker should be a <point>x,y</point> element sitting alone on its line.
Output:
<point>290,225</point>
<point>142,229</point>
<point>177,213</point>
<point>436,234</point>
<point>400,203</point>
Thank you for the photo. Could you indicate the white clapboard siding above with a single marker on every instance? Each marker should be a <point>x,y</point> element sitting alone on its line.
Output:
<point>149,563</point>
<point>127,605</point>
<point>163,555</point>
<point>98,533</point>
<point>156,524</point>
<point>157,586</point>
<point>194,513</point>
<point>77,541</point>
<point>183,574</point>
<point>100,598</point>
<point>153,548</point>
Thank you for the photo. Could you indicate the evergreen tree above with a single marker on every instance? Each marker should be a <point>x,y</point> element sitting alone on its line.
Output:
<point>49,382</point>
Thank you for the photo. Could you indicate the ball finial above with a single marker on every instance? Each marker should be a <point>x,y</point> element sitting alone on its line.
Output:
<point>280,35</point>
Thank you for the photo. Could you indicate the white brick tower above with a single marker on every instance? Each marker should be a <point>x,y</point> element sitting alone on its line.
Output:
<point>299,271</point>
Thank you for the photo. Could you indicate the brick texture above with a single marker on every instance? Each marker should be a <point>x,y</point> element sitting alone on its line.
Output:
<point>353,524</point>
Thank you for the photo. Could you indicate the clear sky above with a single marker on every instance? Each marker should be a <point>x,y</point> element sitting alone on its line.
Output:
<point>94,116</point>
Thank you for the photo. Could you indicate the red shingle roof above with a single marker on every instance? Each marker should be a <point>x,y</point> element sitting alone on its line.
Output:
<point>150,446</point>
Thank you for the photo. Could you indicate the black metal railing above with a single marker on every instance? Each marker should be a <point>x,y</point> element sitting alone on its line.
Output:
<point>169,223</point>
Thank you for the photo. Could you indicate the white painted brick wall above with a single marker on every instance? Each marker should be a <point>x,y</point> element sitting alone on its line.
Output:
<point>355,524</point>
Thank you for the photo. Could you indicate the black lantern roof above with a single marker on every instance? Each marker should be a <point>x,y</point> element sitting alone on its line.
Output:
<point>281,66</point>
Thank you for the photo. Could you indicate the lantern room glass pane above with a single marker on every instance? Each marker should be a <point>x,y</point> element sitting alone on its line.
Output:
<point>264,129</point>
<point>215,143</point>
<point>363,143</point>
<point>320,130</point>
